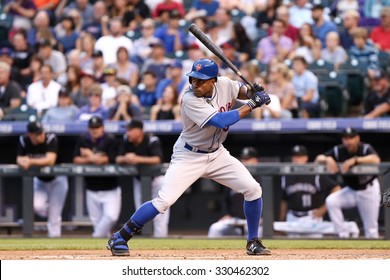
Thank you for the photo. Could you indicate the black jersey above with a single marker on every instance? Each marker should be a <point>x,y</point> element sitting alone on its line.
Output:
<point>305,192</point>
<point>341,154</point>
<point>107,145</point>
<point>27,148</point>
<point>150,146</point>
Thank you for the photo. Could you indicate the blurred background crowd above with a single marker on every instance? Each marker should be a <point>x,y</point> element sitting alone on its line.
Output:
<point>64,60</point>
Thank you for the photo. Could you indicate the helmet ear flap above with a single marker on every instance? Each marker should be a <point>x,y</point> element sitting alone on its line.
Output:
<point>190,80</point>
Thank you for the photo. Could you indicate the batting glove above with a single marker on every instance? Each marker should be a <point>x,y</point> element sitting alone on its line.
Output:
<point>256,87</point>
<point>258,99</point>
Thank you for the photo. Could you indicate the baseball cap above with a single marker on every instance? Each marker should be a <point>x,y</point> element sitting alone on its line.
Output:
<point>299,150</point>
<point>6,51</point>
<point>157,43</point>
<point>193,46</point>
<point>87,73</point>
<point>349,132</point>
<point>174,14</point>
<point>135,124</point>
<point>227,45</point>
<point>95,122</point>
<point>176,64</point>
<point>124,88</point>
<point>248,152</point>
<point>34,127</point>
<point>97,53</point>
<point>109,71</point>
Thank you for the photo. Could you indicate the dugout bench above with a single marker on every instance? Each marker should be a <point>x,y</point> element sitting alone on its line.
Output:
<point>266,171</point>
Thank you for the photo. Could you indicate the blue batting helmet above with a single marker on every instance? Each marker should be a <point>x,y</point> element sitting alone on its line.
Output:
<point>204,69</point>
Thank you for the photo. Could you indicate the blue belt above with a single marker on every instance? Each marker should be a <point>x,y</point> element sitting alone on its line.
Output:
<point>192,149</point>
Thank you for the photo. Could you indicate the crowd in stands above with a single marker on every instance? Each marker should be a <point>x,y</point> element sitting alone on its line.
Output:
<point>64,60</point>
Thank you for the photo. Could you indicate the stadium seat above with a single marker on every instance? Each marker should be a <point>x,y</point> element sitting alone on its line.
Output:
<point>356,73</point>
<point>333,97</point>
<point>384,60</point>
<point>320,67</point>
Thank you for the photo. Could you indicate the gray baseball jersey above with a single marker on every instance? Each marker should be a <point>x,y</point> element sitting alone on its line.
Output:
<point>196,112</point>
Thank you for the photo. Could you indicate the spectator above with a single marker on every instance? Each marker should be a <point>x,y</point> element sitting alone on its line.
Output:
<point>306,89</point>
<point>73,58</point>
<point>67,41</point>
<point>98,66</point>
<point>307,45</point>
<point>162,10</point>
<point>94,106</point>
<point>233,223</point>
<point>171,35</point>
<point>242,42</point>
<point>77,18</point>
<point>194,53</point>
<point>224,21</point>
<point>174,78</point>
<point>82,6</point>
<point>333,53</point>
<point>300,13</point>
<point>146,90</point>
<point>110,43</point>
<point>350,23</point>
<point>10,91</point>
<point>321,27</point>
<point>372,8</point>
<point>124,109</point>
<point>22,13</point>
<point>302,207</point>
<point>86,44</point>
<point>73,80</point>
<point>103,194</point>
<point>98,26</point>
<point>202,8</point>
<point>265,18</point>
<point>275,45</point>
<point>157,62</point>
<point>64,111</point>
<point>136,14</point>
<point>109,87</point>
<point>168,108</point>
<point>271,111</point>
<point>380,35</point>
<point>52,57</point>
<point>138,148</point>
<point>361,191</point>
<point>43,94</point>
<point>86,81</point>
<point>38,148</point>
<point>35,70</point>
<point>283,14</point>
<point>21,55</point>
<point>280,84</point>
<point>340,7</point>
<point>142,49</point>
<point>41,22</point>
<point>126,69</point>
<point>377,102</point>
<point>229,50</point>
<point>364,52</point>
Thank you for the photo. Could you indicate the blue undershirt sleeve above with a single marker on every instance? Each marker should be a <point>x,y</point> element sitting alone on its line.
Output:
<point>224,119</point>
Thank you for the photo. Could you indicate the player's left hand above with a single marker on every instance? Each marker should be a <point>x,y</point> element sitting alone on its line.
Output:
<point>259,99</point>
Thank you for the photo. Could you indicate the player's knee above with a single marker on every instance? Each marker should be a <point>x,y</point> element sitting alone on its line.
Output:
<point>331,202</point>
<point>161,205</point>
<point>253,193</point>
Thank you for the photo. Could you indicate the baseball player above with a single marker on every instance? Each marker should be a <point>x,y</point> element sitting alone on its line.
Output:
<point>303,202</point>
<point>38,148</point>
<point>206,109</point>
<point>361,191</point>
<point>141,148</point>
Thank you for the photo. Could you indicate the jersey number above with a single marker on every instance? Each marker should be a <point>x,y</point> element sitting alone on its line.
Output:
<point>306,200</point>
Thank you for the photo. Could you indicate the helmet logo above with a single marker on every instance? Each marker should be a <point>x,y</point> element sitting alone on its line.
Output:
<point>198,67</point>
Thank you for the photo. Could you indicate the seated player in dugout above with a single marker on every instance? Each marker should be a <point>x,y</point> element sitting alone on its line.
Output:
<point>302,207</point>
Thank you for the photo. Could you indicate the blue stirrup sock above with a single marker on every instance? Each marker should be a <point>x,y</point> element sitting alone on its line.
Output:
<point>252,211</point>
<point>144,214</point>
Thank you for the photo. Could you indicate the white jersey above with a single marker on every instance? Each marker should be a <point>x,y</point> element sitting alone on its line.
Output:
<point>197,111</point>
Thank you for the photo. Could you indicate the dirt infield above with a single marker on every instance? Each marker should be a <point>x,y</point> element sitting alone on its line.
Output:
<point>278,254</point>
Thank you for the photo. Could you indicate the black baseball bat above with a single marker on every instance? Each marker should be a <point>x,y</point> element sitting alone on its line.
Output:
<point>194,29</point>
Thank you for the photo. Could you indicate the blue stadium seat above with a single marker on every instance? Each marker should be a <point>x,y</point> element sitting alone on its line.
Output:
<point>333,97</point>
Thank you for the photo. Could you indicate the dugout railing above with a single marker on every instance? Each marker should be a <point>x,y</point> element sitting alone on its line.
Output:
<point>267,172</point>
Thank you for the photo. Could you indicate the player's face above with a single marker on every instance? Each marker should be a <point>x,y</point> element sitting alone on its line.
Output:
<point>37,138</point>
<point>351,143</point>
<point>202,88</point>
<point>134,135</point>
<point>96,132</point>
<point>300,159</point>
